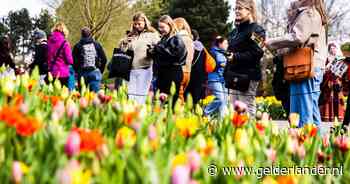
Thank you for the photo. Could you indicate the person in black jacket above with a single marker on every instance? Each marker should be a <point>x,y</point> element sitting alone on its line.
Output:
<point>89,60</point>
<point>243,72</point>
<point>169,55</point>
<point>198,77</point>
<point>5,52</point>
<point>40,56</point>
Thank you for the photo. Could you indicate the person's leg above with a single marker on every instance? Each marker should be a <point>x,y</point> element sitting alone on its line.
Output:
<point>132,85</point>
<point>347,112</point>
<point>316,88</point>
<point>215,105</point>
<point>143,84</point>
<point>305,97</point>
<point>249,97</point>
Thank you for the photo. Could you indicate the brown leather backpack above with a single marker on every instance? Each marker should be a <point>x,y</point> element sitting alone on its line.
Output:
<point>298,64</point>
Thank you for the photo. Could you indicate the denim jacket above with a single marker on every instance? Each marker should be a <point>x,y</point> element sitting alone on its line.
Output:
<point>218,74</point>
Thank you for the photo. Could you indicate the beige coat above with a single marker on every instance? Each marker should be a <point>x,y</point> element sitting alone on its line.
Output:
<point>304,29</point>
<point>139,46</point>
<point>190,50</point>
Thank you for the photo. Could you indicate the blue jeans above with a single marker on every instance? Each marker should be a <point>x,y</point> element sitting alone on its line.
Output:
<point>220,92</point>
<point>92,79</point>
<point>304,99</point>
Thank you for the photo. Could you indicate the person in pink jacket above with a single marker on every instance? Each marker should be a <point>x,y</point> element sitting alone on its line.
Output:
<point>59,54</point>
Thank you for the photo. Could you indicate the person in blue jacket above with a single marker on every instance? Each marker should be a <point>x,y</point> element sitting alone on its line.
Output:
<point>216,82</point>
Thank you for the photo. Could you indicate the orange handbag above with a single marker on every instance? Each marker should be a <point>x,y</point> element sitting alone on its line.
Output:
<point>298,64</point>
<point>210,63</point>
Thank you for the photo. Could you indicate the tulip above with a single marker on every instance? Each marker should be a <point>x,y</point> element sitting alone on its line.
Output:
<point>325,141</point>
<point>301,151</point>
<point>152,132</point>
<point>181,175</point>
<point>194,160</point>
<point>72,146</point>
<point>240,107</point>
<point>58,111</point>
<point>163,97</point>
<point>294,119</point>
<point>271,154</point>
<point>83,102</point>
<point>342,142</point>
<point>241,139</point>
<point>72,110</point>
<point>17,173</point>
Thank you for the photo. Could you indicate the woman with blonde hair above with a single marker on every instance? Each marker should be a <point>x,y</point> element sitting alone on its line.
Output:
<point>186,35</point>
<point>170,56</point>
<point>306,27</point>
<point>59,54</point>
<point>243,73</point>
<point>141,37</point>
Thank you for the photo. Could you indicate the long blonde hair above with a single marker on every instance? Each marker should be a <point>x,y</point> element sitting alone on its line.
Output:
<point>166,19</point>
<point>143,17</point>
<point>61,27</point>
<point>251,6</point>
<point>182,24</point>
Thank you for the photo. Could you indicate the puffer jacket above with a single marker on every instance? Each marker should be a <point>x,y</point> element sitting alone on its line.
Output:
<point>170,51</point>
<point>60,67</point>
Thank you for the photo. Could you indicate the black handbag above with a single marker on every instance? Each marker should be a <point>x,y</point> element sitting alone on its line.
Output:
<point>121,63</point>
<point>237,81</point>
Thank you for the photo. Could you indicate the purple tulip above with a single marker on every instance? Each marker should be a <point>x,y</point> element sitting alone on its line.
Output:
<point>72,146</point>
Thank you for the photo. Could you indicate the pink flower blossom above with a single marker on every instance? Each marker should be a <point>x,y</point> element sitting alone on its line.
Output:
<point>72,146</point>
<point>240,107</point>
<point>181,175</point>
<point>194,160</point>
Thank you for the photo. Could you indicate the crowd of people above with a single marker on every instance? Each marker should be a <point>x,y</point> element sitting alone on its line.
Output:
<point>173,54</point>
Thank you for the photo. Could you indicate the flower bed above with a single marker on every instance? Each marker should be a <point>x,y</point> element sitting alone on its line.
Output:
<point>48,135</point>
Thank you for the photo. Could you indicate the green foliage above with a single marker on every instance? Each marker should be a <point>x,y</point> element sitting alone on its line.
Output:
<point>209,17</point>
<point>71,13</point>
<point>20,27</point>
<point>3,28</point>
<point>153,8</point>
<point>45,21</point>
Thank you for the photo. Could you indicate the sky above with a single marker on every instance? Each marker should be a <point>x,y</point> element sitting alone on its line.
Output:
<point>34,6</point>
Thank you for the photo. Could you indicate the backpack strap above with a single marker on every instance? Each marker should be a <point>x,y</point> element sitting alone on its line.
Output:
<point>57,54</point>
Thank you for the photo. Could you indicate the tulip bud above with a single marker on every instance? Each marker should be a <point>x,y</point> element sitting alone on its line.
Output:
<point>72,146</point>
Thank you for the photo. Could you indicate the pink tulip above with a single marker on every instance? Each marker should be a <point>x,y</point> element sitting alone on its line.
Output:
<point>24,108</point>
<point>96,101</point>
<point>58,111</point>
<point>65,174</point>
<point>240,107</point>
<point>301,151</point>
<point>181,175</point>
<point>163,97</point>
<point>240,172</point>
<point>342,142</point>
<point>17,173</point>
<point>83,102</point>
<point>72,146</point>
<point>271,154</point>
<point>152,132</point>
<point>136,126</point>
<point>194,161</point>
<point>265,117</point>
<point>194,182</point>
<point>325,141</point>
<point>293,132</point>
<point>72,110</point>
